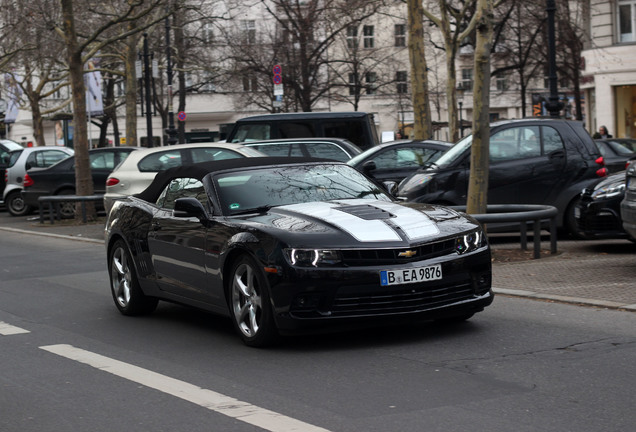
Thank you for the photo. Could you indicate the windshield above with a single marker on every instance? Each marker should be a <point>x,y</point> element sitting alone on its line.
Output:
<point>452,154</point>
<point>241,191</point>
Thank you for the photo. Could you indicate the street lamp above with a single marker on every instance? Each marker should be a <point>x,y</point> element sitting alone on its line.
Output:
<point>554,105</point>
<point>460,102</point>
<point>171,131</point>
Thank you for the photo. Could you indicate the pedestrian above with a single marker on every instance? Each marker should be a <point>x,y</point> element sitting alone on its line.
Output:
<point>602,133</point>
<point>398,135</point>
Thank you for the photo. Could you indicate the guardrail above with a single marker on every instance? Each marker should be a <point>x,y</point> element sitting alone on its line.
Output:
<point>522,213</point>
<point>53,204</point>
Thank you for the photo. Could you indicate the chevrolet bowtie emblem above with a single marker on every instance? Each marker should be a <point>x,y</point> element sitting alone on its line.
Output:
<point>407,254</point>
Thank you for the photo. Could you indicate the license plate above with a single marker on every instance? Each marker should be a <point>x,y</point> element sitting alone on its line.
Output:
<point>410,275</point>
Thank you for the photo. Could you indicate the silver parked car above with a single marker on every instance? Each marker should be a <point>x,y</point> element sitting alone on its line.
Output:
<point>338,149</point>
<point>20,161</point>
<point>139,169</point>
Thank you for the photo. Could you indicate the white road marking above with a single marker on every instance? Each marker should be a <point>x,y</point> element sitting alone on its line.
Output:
<point>209,399</point>
<point>7,329</point>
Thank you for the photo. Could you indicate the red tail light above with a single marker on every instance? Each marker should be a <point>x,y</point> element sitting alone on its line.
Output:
<point>28,181</point>
<point>600,161</point>
<point>112,181</point>
<point>602,172</point>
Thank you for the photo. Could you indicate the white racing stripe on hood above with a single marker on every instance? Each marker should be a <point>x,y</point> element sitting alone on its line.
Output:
<point>363,230</point>
<point>414,223</point>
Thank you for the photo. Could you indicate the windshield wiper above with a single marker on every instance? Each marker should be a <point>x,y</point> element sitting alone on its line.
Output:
<point>259,210</point>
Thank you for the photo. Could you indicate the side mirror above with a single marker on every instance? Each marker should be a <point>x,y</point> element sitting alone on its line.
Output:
<point>189,207</point>
<point>368,166</point>
<point>391,187</point>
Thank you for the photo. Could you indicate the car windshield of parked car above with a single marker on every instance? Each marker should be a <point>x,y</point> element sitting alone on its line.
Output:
<point>452,154</point>
<point>620,149</point>
<point>248,190</point>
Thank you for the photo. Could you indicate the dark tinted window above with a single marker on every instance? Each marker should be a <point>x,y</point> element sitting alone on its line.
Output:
<point>551,140</point>
<point>252,132</point>
<point>297,129</point>
<point>353,130</point>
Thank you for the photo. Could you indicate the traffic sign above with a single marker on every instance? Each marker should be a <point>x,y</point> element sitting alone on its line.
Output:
<point>278,74</point>
<point>181,116</point>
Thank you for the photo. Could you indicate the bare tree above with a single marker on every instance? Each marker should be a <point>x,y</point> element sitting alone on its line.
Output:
<point>79,47</point>
<point>516,46</point>
<point>422,128</point>
<point>479,165</point>
<point>299,36</point>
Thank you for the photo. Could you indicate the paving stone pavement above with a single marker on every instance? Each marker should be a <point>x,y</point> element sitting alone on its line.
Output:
<point>599,273</point>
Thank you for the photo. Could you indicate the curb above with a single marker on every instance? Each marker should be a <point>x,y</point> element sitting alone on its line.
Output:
<point>45,234</point>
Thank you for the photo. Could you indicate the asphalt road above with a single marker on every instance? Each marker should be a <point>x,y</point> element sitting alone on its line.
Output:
<point>70,362</point>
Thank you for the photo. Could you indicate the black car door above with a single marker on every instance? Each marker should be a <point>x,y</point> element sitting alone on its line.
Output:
<point>177,244</point>
<point>525,163</point>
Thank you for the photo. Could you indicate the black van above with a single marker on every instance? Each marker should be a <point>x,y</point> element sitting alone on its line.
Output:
<point>357,127</point>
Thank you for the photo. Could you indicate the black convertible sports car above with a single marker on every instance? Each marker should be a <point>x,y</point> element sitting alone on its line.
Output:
<point>283,245</point>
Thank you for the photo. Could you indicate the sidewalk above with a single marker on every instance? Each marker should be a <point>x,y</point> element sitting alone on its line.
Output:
<point>600,273</point>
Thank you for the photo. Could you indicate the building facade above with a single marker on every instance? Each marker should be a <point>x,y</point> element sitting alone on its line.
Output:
<point>609,73</point>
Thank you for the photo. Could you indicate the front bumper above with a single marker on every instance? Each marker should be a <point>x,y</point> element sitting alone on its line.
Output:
<point>600,218</point>
<point>322,299</point>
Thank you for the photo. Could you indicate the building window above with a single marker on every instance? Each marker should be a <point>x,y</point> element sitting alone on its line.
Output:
<point>371,79</point>
<point>250,83</point>
<point>467,79</point>
<point>352,37</point>
<point>627,20</point>
<point>207,33</point>
<point>367,36</point>
<point>120,88</point>
<point>400,35</point>
<point>354,87</point>
<point>502,82</point>
<point>400,79</point>
<point>248,29</point>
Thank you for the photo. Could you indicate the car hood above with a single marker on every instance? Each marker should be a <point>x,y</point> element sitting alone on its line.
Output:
<point>362,222</point>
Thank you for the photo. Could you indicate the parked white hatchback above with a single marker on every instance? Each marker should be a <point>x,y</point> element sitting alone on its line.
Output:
<point>139,169</point>
<point>20,161</point>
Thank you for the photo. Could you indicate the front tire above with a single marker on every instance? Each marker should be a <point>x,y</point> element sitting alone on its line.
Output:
<point>127,294</point>
<point>570,220</point>
<point>16,205</point>
<point>249,303</point>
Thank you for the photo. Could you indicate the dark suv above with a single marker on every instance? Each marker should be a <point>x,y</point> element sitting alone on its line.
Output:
<point>532,161</point>
<point>628,205</point>
<point>357,127</point>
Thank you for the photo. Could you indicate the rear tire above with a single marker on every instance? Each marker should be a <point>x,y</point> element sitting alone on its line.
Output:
<point>127,294</point>
<point>67,208</point>
<point>16,205</point>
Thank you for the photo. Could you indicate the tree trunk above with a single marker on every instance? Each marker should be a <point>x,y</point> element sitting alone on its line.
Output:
<point>479,163</point>
<point>131,89</point>
<point>83,177</point>
<point>419,76</point>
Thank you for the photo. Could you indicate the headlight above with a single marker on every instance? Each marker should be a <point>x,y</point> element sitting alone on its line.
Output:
<point>470,242</point>
<point>609,190</point>
<point>313,257</point>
